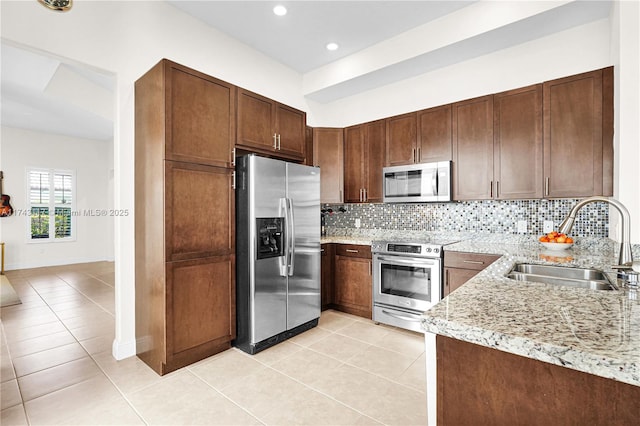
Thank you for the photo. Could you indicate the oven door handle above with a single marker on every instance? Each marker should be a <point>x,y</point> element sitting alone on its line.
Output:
<point>402,317</point>
<point>413,262</point>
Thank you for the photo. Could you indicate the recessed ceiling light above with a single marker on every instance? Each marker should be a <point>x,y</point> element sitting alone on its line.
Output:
<point>280,10</point>
<point>332,46</point>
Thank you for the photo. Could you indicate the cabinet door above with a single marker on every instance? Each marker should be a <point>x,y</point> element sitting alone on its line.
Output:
<point>401,139</point>
<point>517,165</point>
<point>290,127</point>
<point>434,134</point>
<point>375,160</point>
<point>200,307</point>
<point>326,275</point>
<point>328,153</point>
<point>199,211</point>
<point>353,163</point>
<point>573,146</point>
<point>256,121</point>
<point>454,278</point>
<point>353,285</point>
<point>200,117</point>
<point>473,149</point>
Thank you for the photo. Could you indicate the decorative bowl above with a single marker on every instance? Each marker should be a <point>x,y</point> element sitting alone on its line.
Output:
<point>557,246</point>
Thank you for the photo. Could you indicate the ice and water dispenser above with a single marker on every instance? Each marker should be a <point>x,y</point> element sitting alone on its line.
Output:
<point>270,237</point>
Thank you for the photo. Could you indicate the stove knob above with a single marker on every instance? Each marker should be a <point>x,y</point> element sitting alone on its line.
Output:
<point>436,250</point>
<point>428,249</point>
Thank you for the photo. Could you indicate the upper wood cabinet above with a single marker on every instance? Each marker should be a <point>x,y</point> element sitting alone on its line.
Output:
<point>517,164</point>
<point>578,135</point>
<point>364,153</point>
<point>473,149</point>
<point>328,155</point>
<point>401,139</point>
<point>267,126</point>
<point>199,116</point>
<point>434,141</point>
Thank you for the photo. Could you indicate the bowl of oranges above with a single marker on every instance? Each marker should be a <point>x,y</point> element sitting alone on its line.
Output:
<point>556,241</point>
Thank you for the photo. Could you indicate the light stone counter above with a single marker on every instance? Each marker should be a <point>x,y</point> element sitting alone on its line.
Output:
<point>593,331</point>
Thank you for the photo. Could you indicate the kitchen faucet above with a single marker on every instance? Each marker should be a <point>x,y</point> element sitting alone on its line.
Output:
<point>625,258</point>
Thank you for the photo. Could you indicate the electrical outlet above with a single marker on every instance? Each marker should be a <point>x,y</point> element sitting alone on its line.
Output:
<point>358,223</point>
<point>522,227</point>
<point>547,226</point>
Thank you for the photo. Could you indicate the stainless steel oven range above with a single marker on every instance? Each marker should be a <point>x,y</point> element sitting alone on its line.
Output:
<point>407,280</point>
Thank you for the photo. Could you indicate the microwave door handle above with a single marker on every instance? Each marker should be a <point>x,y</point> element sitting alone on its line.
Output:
<point>434,181</point>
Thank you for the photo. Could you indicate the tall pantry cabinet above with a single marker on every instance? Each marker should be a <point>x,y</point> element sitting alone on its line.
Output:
<point>184,216</point>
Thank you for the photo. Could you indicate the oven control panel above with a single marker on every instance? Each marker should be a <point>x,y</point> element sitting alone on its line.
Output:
<point>405,248</point>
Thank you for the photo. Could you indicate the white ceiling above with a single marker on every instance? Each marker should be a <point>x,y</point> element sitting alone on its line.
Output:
<point>42,93</point>
<point>298,39</point>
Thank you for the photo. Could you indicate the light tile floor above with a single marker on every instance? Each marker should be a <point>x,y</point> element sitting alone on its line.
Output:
<point>57,367</point>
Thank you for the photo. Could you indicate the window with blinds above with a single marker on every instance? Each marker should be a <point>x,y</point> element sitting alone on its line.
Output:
<point>51,201</point>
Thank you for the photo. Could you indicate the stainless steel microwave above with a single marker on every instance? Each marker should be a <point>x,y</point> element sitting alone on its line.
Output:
<point>417,183</point>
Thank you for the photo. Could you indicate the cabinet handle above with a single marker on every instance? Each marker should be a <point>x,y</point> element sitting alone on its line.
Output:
<point>414,154</point>
<point>546,186</point>
<point>233,182</point>
<point>475,262</point>
<point>275,141</point>
<point>321,250</point>
<point>278,142</point>
<point>446,280</point>
<point>370,269</point>
<point>491,189</point>
<point>233,157</point>
<point>364,191</point>
<point>351,251</point>
<point>341,199</point>
<point>419,155</point>
<point>497,189</point>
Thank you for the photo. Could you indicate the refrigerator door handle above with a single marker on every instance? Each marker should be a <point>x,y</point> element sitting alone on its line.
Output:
<point>282,260</point>
<point>292,236</point>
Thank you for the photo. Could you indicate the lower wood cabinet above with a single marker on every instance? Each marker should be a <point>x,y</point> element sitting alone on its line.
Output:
<point>460,267</point>
<point>352,279</point>
<point>326,275</point>
<point>479,385</point>
<point>199,321</point>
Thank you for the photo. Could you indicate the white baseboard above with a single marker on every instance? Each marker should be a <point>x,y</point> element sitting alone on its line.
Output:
<point>58,262</point>
<point>122,350</point>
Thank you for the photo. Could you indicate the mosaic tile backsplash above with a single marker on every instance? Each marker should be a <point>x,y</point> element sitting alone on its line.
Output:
<point>493,217</point>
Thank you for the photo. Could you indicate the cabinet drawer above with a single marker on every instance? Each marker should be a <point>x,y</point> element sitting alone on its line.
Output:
<point>353,250</point>
<point>473,261</point>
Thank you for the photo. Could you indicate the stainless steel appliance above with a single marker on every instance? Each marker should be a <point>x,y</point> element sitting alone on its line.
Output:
<point>277,251</point>
<point>407,280</point>
<point>424,182</point>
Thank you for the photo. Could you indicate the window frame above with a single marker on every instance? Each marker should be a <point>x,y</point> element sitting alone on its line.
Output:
<point>51,205</point>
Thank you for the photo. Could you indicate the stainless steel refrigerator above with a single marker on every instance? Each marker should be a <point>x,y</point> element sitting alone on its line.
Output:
<point>277,251</point>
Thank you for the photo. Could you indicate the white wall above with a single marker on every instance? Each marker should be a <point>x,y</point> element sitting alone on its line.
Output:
<point>89,160</point>
<point>580,49</point>
<point>127,38</point>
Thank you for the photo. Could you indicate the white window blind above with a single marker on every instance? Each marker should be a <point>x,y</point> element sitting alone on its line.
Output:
<point>51,216</point>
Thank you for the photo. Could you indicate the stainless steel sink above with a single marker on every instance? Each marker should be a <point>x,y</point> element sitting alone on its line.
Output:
<point>561,275</point>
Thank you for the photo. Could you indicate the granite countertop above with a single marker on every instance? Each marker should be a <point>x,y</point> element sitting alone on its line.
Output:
<point>593,331</point>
